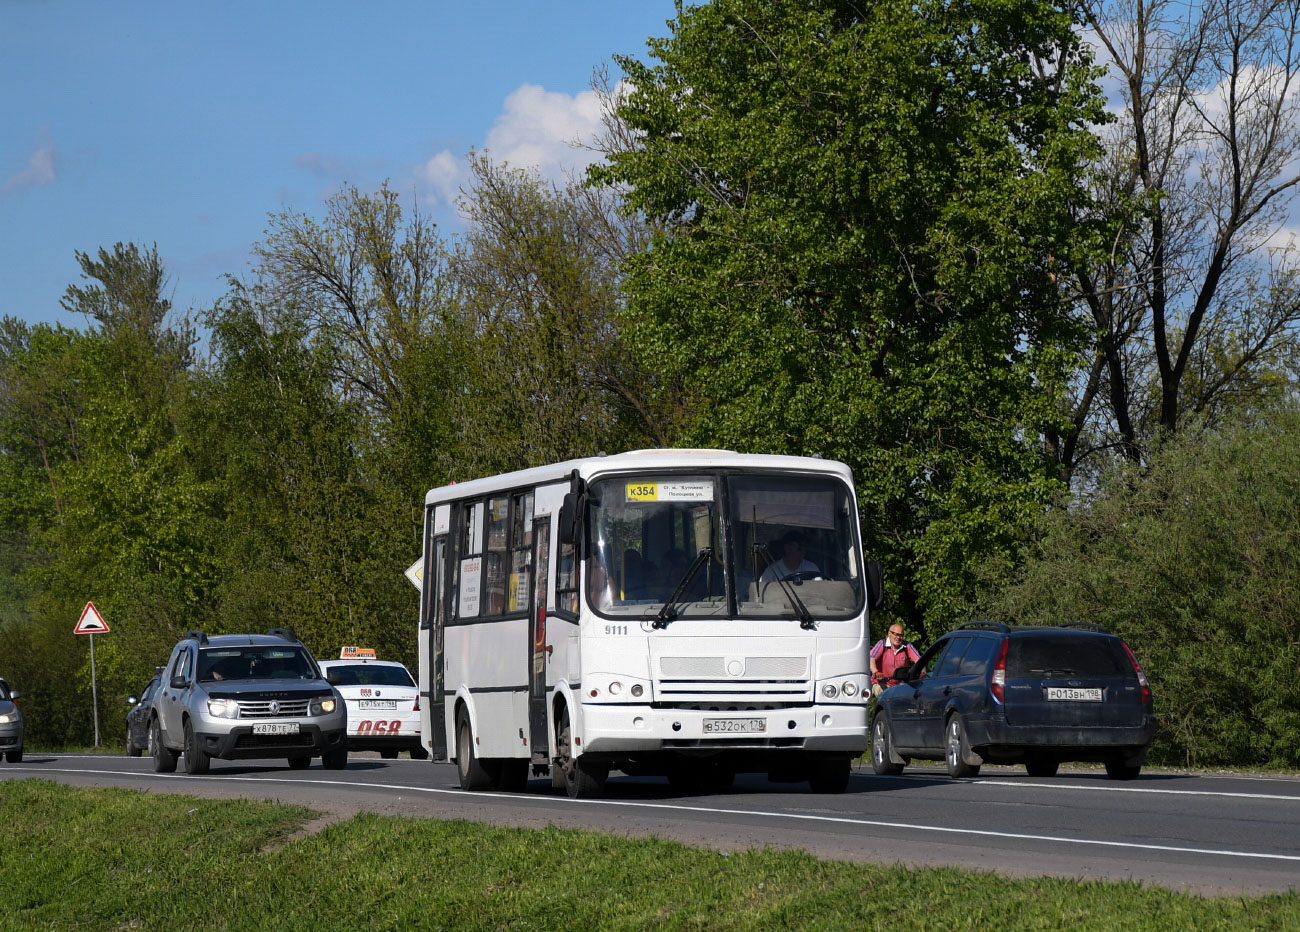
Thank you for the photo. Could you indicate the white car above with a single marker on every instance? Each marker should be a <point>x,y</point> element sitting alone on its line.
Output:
<point>382,701</point>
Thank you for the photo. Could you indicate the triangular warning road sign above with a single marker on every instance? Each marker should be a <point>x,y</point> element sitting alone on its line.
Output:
<point>91,621</point>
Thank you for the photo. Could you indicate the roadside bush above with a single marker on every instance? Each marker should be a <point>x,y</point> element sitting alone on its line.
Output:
<point>1195,561</point>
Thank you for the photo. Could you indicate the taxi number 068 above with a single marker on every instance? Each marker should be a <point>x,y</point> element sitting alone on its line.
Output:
<point>381,727</point>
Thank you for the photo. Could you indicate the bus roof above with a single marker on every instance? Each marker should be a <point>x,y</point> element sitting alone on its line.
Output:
<point>591,466</point>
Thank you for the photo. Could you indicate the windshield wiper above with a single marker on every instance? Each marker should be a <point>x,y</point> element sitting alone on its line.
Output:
<point>669,611</point>
<point>800,610</point>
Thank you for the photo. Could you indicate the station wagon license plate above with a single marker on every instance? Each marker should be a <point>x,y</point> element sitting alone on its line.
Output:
<point>1071,694</point>
<point>275,728</point>
<point>734,726</point>
<point>377,703</point>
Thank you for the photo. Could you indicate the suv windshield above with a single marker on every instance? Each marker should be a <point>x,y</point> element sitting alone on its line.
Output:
<point>364,674</point>
<point>760,544</point>
<point>256,663</point>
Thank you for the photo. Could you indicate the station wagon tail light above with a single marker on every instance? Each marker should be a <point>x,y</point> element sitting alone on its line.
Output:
<point>998,682</point>
<point>1142,677</point>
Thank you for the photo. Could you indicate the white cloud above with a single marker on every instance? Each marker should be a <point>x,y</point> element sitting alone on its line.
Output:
<point>39,170</point>
<point>537,129</point>
<point>444,174</point>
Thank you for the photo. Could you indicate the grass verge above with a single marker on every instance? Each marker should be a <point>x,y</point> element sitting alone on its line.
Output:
<point>109,858</point>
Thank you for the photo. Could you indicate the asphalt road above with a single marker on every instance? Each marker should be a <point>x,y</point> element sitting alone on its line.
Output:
<point>1212,834</point>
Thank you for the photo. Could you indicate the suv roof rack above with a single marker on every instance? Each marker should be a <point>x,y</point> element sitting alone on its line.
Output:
<point>994,625</point>
<point>197,635</point>
<point>1087,625</point>
<point>286,633</point>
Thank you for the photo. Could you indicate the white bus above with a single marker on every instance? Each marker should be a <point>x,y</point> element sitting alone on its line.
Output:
<point>682,613</point>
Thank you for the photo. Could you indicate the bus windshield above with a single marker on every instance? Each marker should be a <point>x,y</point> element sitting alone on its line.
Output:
<point>754,544</point>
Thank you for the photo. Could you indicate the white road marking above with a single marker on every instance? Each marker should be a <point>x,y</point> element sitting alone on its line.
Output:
<point>1135,789</point>
<point>709,810</point>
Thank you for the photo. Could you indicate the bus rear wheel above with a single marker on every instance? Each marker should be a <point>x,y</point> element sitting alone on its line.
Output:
<point>581,779</point>
<point>473,774</point>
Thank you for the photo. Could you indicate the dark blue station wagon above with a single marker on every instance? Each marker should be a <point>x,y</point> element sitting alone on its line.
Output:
<point>990,693</point>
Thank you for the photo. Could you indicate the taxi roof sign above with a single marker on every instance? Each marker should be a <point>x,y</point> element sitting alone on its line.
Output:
<point>357,653</point>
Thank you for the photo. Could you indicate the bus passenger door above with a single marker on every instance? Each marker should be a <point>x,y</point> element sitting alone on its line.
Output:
<point>435,589</point>
<point>539,654</point>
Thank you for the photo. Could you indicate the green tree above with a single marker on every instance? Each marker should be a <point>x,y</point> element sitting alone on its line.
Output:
<point>862,214</point>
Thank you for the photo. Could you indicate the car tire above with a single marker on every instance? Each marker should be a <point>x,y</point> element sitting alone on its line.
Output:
<point>829,776</point>
<point>1041,768</point>
<point>419,754</point>
<point>882,749</point>
<point>164,758</point>
<point>388,755</point>
<point>132,750</point>
<point>196,761</point>
<point>335,760</point>
<point>582,779</point>
<point>1118,770</point>
<point>956,750</point>
<point>299,763</point>
<point>15,756</point>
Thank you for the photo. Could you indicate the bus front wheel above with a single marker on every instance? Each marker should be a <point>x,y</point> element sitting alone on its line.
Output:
<point>582,780</point>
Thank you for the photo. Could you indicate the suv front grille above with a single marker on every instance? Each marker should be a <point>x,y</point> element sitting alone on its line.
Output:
<point>283,708</point>
<point>301,740</point>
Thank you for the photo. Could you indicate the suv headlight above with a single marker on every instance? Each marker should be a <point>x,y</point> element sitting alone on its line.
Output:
<point>223,708</point>
<point>321,705</point>
<point>8,717</point>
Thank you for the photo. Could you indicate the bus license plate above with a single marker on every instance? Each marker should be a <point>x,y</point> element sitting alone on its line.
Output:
<point>1074,695</point>
<point>734,726</point>
<point>275,728</point>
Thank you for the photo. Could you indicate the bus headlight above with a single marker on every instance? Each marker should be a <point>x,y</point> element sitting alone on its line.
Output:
<point>850,688</point>
<point>637,690</point>
<point>829,691</point>
<point>615,688</point>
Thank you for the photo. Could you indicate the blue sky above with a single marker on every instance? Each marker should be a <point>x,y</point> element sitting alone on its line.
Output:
<point>186,124</point>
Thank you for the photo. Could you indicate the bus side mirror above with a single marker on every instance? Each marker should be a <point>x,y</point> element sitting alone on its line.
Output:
<point>571,509</point>
<point>875,585</point>
<point>567,531</point>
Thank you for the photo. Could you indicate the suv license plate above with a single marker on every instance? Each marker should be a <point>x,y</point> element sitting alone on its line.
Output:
<point>1076,695</point>
<point>734,726</point>
<point>275,728</point>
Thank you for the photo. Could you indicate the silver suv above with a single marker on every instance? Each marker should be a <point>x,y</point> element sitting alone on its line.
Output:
<point>245,696</point>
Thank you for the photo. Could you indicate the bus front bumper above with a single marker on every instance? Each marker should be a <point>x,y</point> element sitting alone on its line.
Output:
<point>608,728</point>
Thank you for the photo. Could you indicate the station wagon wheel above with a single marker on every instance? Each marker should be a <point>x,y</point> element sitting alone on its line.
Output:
<point>164,759</point>
<point>1116,769</point>
<point>882,749</point>
<point>956,750</point>
<point>1041,768</point>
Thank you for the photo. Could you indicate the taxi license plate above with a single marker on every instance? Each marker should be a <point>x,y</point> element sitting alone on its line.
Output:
<point>734,726</point>
<point>378,703</point>
<point>1056,693</point>
<point>275,728</point>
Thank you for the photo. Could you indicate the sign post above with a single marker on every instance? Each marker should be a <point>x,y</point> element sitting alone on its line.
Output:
<point>92,623</point>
